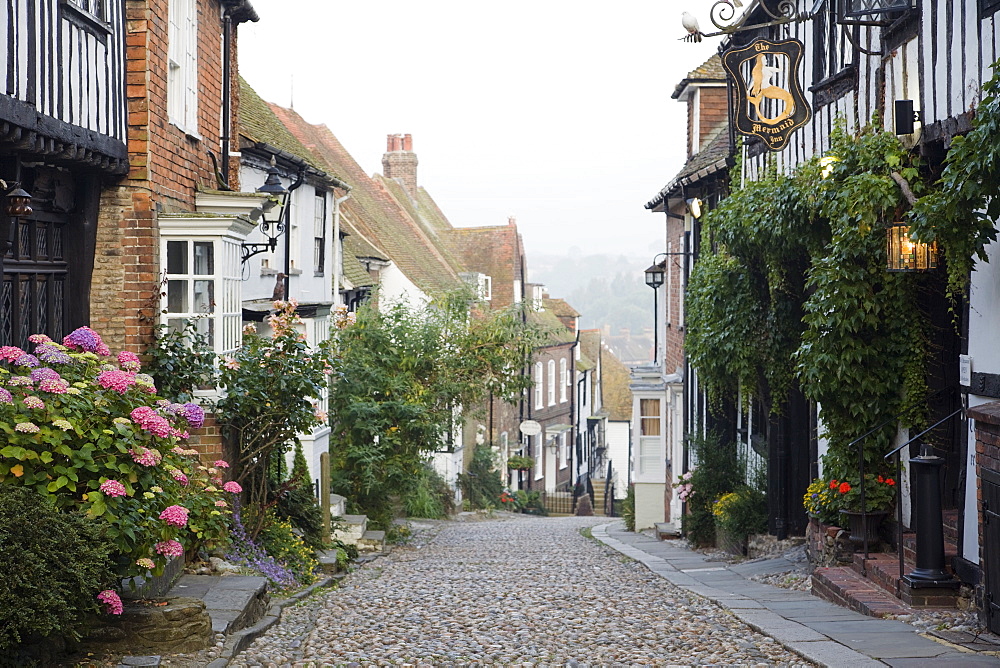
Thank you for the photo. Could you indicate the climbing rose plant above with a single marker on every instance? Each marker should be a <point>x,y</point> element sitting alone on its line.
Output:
<point>87,430</point>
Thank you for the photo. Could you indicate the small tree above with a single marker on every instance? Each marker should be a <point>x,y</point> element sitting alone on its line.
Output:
<point>482,485</point>
<point>271,384</point>
<point>404,373</point>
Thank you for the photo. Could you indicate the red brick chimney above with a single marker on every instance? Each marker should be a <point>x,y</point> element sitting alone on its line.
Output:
<point>400,162</point>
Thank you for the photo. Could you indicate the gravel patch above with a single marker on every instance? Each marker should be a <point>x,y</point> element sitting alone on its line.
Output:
<point>511,590</point>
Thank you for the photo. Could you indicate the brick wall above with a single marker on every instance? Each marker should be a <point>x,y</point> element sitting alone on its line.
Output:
<point>987,418</point>
<point>714,109</point>
<point>166,167</point>
<point>673,296</point>
<point>400,162</point>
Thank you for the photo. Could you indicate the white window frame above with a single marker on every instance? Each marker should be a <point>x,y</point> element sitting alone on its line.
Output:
<point>319,233</point>
<point>182,65</point>
<point>650,461</point>
<point>539,385</point>
<point>563,450</point>
<point>552,382</point>
<point>563,380</point>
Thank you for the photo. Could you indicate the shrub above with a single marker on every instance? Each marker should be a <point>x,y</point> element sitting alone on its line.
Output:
<point>56,563</point>
<point>718,471</point>
<point>482,485</point>
<point>90,435</point>
<point>181,361</point>
<point>628,509</point>
<point>741,513</point>
<point>288,549</point>
<point>530,502</point>
<point>431,497</point>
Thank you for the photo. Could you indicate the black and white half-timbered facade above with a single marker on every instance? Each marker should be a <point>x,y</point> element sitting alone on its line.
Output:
<point>62,136</point>
<point>860,60</point>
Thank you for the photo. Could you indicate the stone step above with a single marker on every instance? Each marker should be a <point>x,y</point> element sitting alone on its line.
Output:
<point>338,505</point>
<point>372,542</point>
<point>349,529</point>
<point>233,602</point>
<point>665,530</point>
<point>883,570</point>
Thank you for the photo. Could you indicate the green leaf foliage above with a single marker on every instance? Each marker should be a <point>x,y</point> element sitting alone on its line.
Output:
<point>403,374</point>
<point>960,213</point>
<point>791,290</point>
<point>57,562</point>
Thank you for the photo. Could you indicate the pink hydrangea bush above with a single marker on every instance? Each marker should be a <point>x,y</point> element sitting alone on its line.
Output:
<point>86,429</point>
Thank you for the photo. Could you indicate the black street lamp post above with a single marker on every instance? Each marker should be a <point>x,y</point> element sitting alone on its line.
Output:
<point>654,279</point>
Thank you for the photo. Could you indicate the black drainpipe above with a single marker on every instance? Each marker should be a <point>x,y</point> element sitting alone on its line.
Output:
<point>241,11</point>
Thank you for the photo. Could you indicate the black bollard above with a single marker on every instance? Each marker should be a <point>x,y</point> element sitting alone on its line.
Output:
<point>929,523</point>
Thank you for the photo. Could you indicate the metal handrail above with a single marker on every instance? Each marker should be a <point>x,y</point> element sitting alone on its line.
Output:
<point>899,473</point>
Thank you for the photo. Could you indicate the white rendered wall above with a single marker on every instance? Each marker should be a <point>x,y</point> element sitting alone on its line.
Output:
<point>648,505</point>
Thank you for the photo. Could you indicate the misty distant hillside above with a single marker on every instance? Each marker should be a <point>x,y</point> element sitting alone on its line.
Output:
<point>609,293</point>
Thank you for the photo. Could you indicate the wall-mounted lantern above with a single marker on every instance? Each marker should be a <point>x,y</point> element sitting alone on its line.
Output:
<point>903,253</point>
<point>694,206</point>
<point>271,214</point>
<point>17,204</point>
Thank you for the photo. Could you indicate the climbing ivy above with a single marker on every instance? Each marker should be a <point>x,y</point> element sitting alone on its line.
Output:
<point>960,213</point>
<point>796,292</point>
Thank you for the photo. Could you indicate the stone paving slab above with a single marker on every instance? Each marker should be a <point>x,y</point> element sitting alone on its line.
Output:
<point>818,630</point>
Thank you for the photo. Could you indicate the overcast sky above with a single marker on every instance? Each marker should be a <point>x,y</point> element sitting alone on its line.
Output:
<point>557,112</point>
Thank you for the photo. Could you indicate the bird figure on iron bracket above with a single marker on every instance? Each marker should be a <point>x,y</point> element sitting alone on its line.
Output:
<point>690,24</point>
<point>279,288</point>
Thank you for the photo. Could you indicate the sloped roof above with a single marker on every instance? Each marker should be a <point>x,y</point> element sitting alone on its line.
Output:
<point>374,213</point>
<point>710,71</point>
<point>259,124</point>
<point>555,332</point>
<point>615,393</point>
<point>712,158</point>
<point>352,269</point>
<point>495,251</point>
<point>560,307</point>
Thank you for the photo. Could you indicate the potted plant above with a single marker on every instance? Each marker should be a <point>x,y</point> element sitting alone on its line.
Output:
<point>520,463</point>
<point>879,497</point>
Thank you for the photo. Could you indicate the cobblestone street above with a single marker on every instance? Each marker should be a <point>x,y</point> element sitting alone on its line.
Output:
<point>506,591</point>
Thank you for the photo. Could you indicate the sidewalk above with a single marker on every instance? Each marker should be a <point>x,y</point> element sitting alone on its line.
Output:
<point>822,632</point>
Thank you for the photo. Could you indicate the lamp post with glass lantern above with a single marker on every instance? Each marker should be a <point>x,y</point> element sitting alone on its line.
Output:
<point>654,279</point>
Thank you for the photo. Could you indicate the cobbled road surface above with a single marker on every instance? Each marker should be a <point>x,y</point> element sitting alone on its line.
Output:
<point>512,590</point>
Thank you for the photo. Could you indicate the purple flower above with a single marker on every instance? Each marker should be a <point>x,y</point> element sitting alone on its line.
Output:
<point>84,338</point>
<point>44,373</point>
<point>50,354</point>
<point>5,396</point>
<point>26,360</point>
<point>194,414</point>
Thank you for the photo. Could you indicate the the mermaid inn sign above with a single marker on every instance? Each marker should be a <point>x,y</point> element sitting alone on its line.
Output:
<point>769,99</point>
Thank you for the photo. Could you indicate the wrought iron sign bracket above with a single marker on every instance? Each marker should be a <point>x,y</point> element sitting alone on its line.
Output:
<point>249,250</point>
<point>723,16</point>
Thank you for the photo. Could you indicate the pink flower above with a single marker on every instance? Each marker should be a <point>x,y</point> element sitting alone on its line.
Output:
<point>39,338</point>
<point>232,486</point>
<point>116,380</point>
<point>169,548</point>
<point>10,353</point>
<point>230,363</point>
<point>113,488</point>
<point>221,504</point>
<point>112,602</point>
<point>146,456</point>
<point>145,562</point>
<point>128,360</point>
<point>54,385</point>
<point>220,464</point>
<point>179,477</point>
<point>32,401</point>
<point>175,515</point>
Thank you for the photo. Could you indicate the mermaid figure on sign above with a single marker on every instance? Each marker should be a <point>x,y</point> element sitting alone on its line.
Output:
<point>763,88</point>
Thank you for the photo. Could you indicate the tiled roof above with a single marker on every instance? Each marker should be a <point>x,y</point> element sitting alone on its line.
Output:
<point>590,342</point>
<point>374,212</point>
<point>710,71</point>
<point>710,159</point>
<point>555,332</point>
<point>352,269</point>
<point>495,251</point>
<point>259,124</point>
<point>615,392</point>
<point>560,308</point>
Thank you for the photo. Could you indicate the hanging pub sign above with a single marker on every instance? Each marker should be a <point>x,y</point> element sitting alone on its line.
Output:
<point>769,99</point>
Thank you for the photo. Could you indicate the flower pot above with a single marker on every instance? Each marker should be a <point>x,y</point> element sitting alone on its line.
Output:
<point>731,543</point>
<point>862,525</point>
